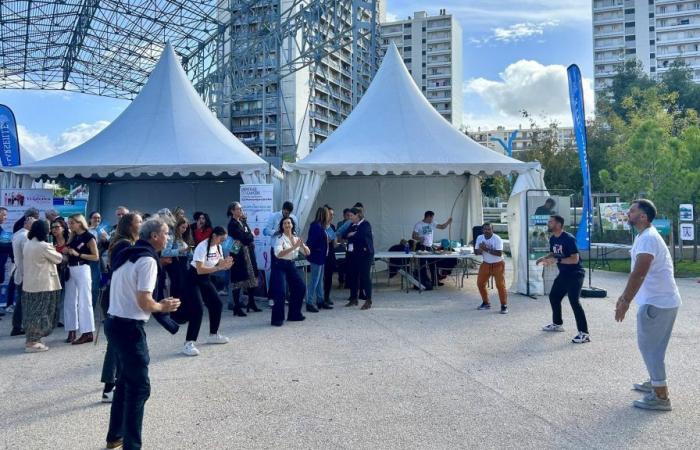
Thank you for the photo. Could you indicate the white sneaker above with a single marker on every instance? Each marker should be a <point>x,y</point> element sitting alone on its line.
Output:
<point>553,327</point>
<point>10,309</point>
<point>107,397</point>
<point>270,303</point>
<point>190,349</point>
<point>217,339</point>
<point>581,338</point>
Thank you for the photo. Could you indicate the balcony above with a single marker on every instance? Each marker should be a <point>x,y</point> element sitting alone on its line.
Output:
<point>609,33</point>
<point>608,7</point>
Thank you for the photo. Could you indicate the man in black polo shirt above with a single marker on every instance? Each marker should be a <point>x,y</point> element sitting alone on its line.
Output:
<point>564,252</point>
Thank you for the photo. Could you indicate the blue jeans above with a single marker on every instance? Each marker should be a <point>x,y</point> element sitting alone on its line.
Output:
<point>133,386</point>
<point>315,287</point>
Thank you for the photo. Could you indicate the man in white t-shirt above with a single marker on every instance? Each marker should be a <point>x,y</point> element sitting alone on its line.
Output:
<point>131,303</point>
<point>652,285</point>
<point>423,231</point>
<point>490,247</point>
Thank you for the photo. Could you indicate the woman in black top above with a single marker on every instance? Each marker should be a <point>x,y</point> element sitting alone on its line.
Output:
<point>244,273</point>
<point>81,250</point>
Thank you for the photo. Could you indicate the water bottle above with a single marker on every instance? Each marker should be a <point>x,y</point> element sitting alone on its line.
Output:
<point>406,248</point>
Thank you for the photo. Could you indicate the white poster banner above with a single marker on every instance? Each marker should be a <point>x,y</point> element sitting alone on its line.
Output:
<point>686,212</point>
<point>17,201</point>
<point>257,203</point>
<point>687,232</point>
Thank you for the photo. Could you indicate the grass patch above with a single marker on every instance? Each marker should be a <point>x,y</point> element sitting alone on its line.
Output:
<point>684,269</point>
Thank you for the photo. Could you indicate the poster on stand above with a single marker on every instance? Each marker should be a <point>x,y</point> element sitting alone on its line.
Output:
<point>257,203</point>
<point>613,216</point>
<point>17,201</point>
<point>540,208</point>
<point>66,207</point>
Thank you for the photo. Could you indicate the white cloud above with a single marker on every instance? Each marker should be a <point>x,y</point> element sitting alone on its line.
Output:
<point>522,30</point>
<point>529,85</point>
<point>391,17</point>
<point>38,146</point>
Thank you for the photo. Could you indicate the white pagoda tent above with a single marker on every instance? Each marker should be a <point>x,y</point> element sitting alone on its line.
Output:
<point>166,149</point>
<point>399,157</point>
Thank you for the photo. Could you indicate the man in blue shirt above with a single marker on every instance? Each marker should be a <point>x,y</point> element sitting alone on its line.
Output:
<point>564,253</point>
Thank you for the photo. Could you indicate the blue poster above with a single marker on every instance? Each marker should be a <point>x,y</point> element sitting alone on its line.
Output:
<point>9,152</point>
<point>583,237</point>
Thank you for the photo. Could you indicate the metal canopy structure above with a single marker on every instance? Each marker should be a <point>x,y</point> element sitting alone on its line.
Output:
<point>108,47</point>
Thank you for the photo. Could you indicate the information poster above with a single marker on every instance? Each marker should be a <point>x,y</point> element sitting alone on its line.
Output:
<point>613,216</point>
<point>67,207</point>
<point>17,201</point>
<point>257,203</point>
<point>540,208</point>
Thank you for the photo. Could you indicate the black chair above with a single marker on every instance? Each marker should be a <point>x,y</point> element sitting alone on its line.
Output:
<point>476,232</point>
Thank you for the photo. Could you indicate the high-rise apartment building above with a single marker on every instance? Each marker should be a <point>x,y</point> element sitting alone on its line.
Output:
<point>524,137</point>
<point>431,47</point>
<point>654,32</point>
<point>297,113</point>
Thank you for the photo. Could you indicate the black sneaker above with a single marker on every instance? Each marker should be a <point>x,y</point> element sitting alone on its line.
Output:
<point>311,308</point>
<point>484,306</point>
<point>504,309</point>
<point>325,306</point>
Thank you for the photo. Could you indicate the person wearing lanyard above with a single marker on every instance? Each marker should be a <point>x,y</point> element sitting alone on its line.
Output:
<point>131,303</point>
<point>207,259</point>
<point>564,253</point>
<point>361,251</point>
<point>330,263</point>
<point>81,250</point>
<point>490,247</point>
<point>286,248</point>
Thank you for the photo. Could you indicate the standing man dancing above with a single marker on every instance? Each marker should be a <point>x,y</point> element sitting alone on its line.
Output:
<point>490,247</point>
<point>564,252</point>
<point>652,285</point>
<point>130,306</point>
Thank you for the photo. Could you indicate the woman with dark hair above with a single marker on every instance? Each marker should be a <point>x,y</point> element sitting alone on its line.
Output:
<point>318,244</point>
<point>125,235</point>
<point>202,227</point>
<point>286,248</point>
<point>244,274</point>
<point>207,259</point>
<point>41,286</point>
<point>59,231</point>
<point>81,250</point>
<point>361,256</point>
<point>178,250</point>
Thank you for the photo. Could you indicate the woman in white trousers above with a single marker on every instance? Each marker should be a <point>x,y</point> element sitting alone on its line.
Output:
<point>81,249</point>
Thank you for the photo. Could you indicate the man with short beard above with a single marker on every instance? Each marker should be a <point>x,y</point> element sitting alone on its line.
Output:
<point>564,253</point>
<point>652,285</point>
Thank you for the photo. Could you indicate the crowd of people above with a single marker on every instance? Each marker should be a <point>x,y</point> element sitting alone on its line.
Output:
<point>166,266</point>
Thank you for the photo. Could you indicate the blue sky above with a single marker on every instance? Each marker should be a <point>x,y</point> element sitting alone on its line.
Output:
<point>515,54</point>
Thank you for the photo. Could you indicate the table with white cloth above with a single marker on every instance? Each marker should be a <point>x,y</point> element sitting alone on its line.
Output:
<point>465,257</point>
<point>603,251</point>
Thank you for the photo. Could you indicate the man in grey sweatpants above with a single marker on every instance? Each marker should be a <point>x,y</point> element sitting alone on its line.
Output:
<point>652,285</point>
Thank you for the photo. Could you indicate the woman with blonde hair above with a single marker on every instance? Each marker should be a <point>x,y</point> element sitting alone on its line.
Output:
<point>81,249</point>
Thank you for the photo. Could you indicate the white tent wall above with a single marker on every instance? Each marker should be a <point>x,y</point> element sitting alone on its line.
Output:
<point>393,204</point>
<point>517,233</point>
<point>10,180</point>
<point>210,196</point>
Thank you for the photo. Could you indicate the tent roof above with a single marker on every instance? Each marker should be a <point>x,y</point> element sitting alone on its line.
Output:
<point>394,129</point>
<point>167,129</point>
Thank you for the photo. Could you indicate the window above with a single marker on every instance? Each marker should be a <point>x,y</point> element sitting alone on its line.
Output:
<point>407,48</point>
<point>629,24</point>
<point>407,36</point>
<point>651,28</point>
<point>407,60</point>
<point>684,22</point>
<point>652,55</point>
<point>629,11</point>
<point>631,51</point>
<point>651,15</point>
<point>407,25</point>
<point>629,38</point>
<point>652,42</point>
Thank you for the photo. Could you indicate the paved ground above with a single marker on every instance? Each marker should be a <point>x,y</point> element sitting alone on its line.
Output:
<point>417,371</point>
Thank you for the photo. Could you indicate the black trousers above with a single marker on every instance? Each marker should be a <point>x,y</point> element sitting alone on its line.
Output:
<point>200,292</point>
<point>17,314</point>
<point>359,274</point>
<point>177,272</point>
<point>568,285</point>
<point>133,385</point>
<point>284,272</point>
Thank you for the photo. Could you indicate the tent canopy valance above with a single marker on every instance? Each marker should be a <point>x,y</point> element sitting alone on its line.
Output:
<point>167,130</point>
<point>395,130</point>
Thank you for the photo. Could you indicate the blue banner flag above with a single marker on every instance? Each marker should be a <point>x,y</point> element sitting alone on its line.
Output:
<point>9,152</point>
<point>583,236</point>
